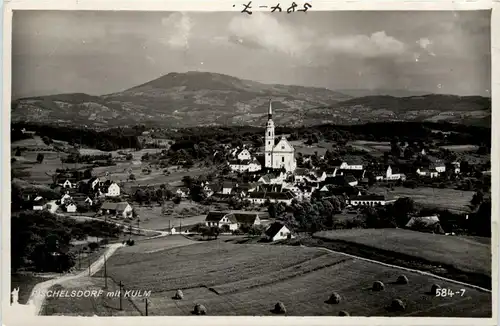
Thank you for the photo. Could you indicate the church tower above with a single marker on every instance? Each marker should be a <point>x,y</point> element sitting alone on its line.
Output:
<point>269,138</point>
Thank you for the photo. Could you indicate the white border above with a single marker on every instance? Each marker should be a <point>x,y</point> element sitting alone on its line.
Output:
<point>226,5</point>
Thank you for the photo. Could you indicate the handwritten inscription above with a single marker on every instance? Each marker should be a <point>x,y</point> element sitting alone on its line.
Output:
<point>294,7</point>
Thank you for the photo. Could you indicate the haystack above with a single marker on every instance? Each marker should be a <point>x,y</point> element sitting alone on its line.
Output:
<point>378,286</point>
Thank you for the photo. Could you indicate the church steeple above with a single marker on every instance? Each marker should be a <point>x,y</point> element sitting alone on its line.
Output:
<point>270,111</point>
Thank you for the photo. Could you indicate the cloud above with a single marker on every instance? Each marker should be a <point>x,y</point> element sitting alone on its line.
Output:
<point>178,27</point>
<point>425,44</point>
<point>378,44</point>
<point>266,32</point>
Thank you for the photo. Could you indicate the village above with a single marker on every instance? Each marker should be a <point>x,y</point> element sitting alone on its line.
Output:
<point>249,184</point>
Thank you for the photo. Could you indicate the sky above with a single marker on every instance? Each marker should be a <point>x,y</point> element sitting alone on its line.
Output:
<point>104,52</point>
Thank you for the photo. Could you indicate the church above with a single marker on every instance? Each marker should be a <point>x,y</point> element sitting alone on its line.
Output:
<point>281,155</point>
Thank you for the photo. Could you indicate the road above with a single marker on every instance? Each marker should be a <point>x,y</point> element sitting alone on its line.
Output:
<point>36,299</point>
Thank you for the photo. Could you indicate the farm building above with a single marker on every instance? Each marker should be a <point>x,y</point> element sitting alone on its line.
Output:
<point>110,189</point>
<point>260,197</point>
<point>39,203</point>
<point>122,209</point>
<point>429,224</point>
<point>353,164</point>
<point>243,155</point>
<point>71,208</point>
<point>423,172</point>
<point>233,219</point>
<point>367,200</point>
<point>278,231</point>
<point>93,183</point>
<point>250,165</point>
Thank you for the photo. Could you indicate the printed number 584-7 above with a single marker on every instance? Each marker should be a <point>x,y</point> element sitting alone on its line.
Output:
<point>449,292</point>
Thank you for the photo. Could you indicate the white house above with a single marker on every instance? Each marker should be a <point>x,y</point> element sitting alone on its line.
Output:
<point>94,182</point>
<point>88,201</point>
<point>456,167</point>
<point>71,208</point>
<point>272,179</point>
<point>65,198</point>
<point>351,166</point>
<point>122,209</point>
<point>251,165</point>
<point>227,187</point>
<point>182,192</point>
<point>39,203</point>
<point>219,219</point>
<point>278,231</point>
<point>113,190</point>
<point>439,166</point>
<point>244,155</point>
<point>67,184</point>
<point>260,197</point>
<point>367,200</point>
<point>427,173</point>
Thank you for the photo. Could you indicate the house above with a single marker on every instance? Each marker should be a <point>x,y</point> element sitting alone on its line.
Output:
<point>66,183</point>
<point>110,189</point>
<point>300,174</point>
<point>340,180</point>
<point>39,203</point>
<point>248,219</point>
<point>429,224</point>
<point>354,164</point>
<point>244,155</point>
<point>227,187</point>
<point>272,178</point>
<point>250,165</point>
<point>456,167</point>
<point>331,172</point>
<point>367,200</point>
<point>389,175</point>
<point>93,183</point>
<point>122,209</point>
<point>278,231</point>
<point>439,166</point>
<point>210,189</point>
<point>66,197</point>
<point>358,174</point>
<point>220,219</point>
<point>423,172</point>
<point>71,208</point>
<point>260,197</point>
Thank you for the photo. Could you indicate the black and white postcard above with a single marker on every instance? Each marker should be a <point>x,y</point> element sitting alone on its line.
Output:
<point>255,158</point>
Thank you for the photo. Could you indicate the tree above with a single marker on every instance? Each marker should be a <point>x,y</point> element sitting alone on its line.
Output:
<point>403,207</point>
<point>18,152</point>
<point>477,199</point>
<point>271,209</point>
<point>39,158</point>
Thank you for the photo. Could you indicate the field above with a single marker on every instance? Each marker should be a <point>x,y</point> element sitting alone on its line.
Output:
<point>372,147</point>
<point>461,148</point>
<point>456,200</point>
<point>153,219</point>
<point>300,147</point>
<point>236,279</point>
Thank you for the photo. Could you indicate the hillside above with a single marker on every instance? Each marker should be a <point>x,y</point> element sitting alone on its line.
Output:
<point>202,98</point>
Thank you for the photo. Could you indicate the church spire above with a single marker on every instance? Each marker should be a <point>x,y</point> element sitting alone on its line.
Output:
<point>270,111</point>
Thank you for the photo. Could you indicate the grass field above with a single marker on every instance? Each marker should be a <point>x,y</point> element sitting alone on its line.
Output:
<point>451,199</point>
<point>152,217</point>
<point>372,147</point>
<point>236,279</point>
<point>461,148</point>
<point>466,254</point>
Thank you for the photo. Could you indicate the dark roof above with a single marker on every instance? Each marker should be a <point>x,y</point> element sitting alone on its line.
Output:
<point>358,174</point>
<point>270,187</point>
<point>301,171</point>
<point>215,216</point>
<point>368,197</point>
<point>109,206</point>
<point>246,218</point>
<point>271,195</point>
<point>350,178</point>
<point>261,159</point>
<point>120,207</point>
<point>274,228</point>
<point>240,162</point>
<point>228,184</point>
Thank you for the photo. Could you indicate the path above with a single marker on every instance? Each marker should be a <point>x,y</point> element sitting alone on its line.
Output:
<point>403,268</point>
<point>36,299</point>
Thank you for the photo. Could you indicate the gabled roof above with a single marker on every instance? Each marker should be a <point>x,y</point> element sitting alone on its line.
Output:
<point>246,218</point>
<point>368,197</point>
<point>301,171</point>
<point>426,220</point>
<point>274,228</point>
<point>215,216</point>
<point>120,207</point>
<point>108,206</point>
<point>271,195</point>
<point>358,174</point>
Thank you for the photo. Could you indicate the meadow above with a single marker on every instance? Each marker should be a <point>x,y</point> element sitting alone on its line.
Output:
<point>237,279</point>
<point>185,213</point>
<point>455,200</point>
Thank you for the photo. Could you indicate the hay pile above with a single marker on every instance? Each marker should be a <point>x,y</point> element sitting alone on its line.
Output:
<point>378,286</point>
<point>199,309</point>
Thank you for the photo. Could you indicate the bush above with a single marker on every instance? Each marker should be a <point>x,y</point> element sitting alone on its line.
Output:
<point>179,295</point>
<point>93,246</point>
<point>199,309</point>
<point>334,298</point>
<point>402,279</point>
<point>130,242</point>
<point>104,242</point>
<point>279,308</point>
<point>378,286</point>
<point>343,313</point>
<point>435,288</point>
<point>398,305</point>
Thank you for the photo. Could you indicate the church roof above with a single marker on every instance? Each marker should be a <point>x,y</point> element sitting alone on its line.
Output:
<point>283,146</point>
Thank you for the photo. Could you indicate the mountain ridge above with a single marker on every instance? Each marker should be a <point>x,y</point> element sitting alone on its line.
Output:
<point>204,98</point>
